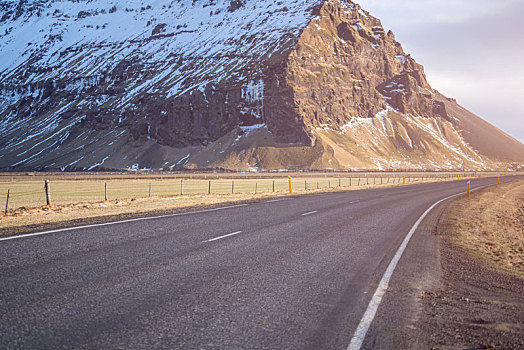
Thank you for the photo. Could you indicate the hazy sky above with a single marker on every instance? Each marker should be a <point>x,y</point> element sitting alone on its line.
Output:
<point>472,50</point>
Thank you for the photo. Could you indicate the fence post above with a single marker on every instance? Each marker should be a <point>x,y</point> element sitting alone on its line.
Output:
<point>7,201</point>
<point>181,187</point>
<point>339,182</point>
<point>209,187</point>
<point>232,186</point>
<point>305,185</point>
<point>47,193</point>
<point>273,185</point>
<point>105,191</point>
<point>256,187</point>
<point>358,184</point>
<point>329,183</point>
<point>149,190</point>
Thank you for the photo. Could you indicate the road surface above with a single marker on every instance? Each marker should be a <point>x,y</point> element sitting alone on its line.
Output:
<point>293,273</point>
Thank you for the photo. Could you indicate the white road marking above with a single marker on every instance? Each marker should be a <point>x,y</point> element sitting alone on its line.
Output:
<point>311,212</point>
<point>224,236</point>
<point>278,200</point>
<point>118,222</point>
<point>369,315</point>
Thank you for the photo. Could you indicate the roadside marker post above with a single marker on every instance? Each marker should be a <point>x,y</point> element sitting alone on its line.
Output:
<point>47,193</point>
<point>404,179</point>
<point>105,191</point>
<point>7,201</point>
<point>209,187</point>
<point>181,187</point>
<point>290,188</point>
<point>469,188</point>
<point>498,180</point>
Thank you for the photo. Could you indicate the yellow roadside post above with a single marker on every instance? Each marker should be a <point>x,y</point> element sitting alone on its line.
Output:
<point>498,180</point>
<point>469,187</point>
<point>290,188</point>
<point>404,179</point>
<point>458,177</point>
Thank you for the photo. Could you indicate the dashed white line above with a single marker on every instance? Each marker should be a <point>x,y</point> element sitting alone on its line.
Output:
<point>311,212</point>
<point>118,222</point>
<point>278,200</point>
<point>224,236</point>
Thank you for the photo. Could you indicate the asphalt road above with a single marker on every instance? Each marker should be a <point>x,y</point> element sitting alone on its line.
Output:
<point>288,274</point>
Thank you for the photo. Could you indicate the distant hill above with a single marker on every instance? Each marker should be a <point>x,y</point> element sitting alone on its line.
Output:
<point>236,84</point>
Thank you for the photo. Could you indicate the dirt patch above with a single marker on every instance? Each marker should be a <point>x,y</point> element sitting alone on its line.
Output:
<point>481,303</point>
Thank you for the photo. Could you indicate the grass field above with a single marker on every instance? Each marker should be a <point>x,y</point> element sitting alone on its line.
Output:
<point>490,225</point>
<point>26,191</point>
<point>80,198</point>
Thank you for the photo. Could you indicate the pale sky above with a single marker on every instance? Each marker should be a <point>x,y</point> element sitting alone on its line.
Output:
<point>472,50</point>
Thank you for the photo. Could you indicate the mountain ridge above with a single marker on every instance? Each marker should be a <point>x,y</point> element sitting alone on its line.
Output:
<point>242,85</point>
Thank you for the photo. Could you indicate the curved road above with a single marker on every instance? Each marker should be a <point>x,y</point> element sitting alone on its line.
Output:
<point>292,273</point>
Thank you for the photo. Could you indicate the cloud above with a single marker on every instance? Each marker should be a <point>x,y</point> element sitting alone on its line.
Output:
<point>434,11</point>
<point>471,49</point>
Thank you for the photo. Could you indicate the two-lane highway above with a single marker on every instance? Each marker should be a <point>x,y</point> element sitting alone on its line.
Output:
<point>292,273</point>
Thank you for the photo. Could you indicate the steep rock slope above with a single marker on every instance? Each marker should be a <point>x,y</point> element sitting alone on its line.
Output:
<point>238,84</point>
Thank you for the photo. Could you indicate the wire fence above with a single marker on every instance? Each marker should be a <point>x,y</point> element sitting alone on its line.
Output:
<point>29,194</point>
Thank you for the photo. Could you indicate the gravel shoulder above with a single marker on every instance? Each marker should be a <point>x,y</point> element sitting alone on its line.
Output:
<point>480,303</point>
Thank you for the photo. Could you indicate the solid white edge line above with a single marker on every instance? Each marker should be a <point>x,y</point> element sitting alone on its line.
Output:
<point>117,222</point>
<point>369,315</point>
<point>224,236</point>
<point>311,212</point>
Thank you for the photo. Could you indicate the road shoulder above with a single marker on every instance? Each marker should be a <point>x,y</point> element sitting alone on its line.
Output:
<point>481,302</point>
<point>443,296</point>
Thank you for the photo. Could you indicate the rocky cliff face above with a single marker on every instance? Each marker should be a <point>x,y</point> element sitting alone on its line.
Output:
<point>240,84</point>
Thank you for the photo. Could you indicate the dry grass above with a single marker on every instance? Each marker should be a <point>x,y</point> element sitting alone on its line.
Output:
<point>491,226</point>
<point>82,199</point>
<point>28,192</point>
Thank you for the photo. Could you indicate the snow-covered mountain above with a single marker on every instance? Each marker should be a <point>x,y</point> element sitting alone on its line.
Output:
<point>238,84</point>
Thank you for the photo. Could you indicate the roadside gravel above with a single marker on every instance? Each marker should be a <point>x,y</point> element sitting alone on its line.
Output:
<point>480,304</point>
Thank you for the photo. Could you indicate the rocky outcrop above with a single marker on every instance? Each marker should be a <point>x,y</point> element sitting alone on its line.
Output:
<point>221,83</point>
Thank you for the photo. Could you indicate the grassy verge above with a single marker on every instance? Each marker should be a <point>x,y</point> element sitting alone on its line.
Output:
<point>490,225</point>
